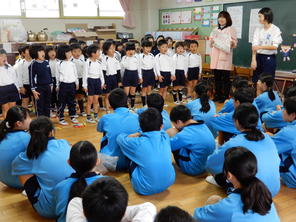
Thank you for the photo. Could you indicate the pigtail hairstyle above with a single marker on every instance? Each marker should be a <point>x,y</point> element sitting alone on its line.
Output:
<point>242,163</point>
<point>14,114</point>
<point>268,80</point>
<point>40,129</point>
<point>202,91</point>
<point>247,116</point>
<point>83,158</point>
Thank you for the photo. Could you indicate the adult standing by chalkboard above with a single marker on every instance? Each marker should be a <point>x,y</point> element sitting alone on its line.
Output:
<point>266,41</point>
<point>222,41</point>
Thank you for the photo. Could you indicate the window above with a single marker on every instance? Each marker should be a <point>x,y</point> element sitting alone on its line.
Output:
<point>10,7</point>
<point>110,8</point>
<point>80,8</point>
<point>42,8</point>
<point>69,8</point>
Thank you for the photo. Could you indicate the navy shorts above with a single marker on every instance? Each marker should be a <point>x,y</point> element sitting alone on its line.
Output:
<point>130,78</point>
<point>193,73</point>
<point>265,64</point>
<point>111,83</point>
<point>9,94</point>
<point>80,90</point>
<point>31,187</point>
<point>148,78</point>
<point>94,87</point>
<point>166,79</point>
<point>180,78</point>
<point>28,92</point>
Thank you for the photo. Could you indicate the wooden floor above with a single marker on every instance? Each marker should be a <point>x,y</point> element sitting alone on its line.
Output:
<point>188,192</point>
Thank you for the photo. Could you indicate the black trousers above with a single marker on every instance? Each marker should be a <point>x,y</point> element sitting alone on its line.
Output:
<point>44,101</point>
<point>66,94</point>
<point>222,83</point>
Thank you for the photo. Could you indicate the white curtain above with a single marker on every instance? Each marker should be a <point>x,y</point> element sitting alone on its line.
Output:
<point>128,20</point>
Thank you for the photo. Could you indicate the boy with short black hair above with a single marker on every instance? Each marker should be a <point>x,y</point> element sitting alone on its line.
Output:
<point>106,200</point>
<point>111,125</point>
<point>156,101</point>
<point>151,168</point>
<point>164,68</point>
<point>173,214</point>
<point>191,141</point>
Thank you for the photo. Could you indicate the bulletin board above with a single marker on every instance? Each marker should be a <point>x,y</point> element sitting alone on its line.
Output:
<point>202,17</point>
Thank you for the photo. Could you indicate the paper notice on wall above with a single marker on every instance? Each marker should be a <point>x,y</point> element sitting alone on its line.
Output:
<point>236,14</point>
<point>175,18</point>
<point>254,23</point>
<point>186,17</point>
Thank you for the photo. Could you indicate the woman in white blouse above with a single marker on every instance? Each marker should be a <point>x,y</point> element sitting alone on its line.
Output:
<point>265,43</point>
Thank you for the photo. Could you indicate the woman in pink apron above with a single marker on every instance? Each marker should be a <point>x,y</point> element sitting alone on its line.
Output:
<point>222,41</point>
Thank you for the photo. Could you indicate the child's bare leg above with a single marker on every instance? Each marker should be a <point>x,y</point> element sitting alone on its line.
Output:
<point>133,96</point>
<point>88,105</point>
<point>5,108</point>
<point>96,105</point>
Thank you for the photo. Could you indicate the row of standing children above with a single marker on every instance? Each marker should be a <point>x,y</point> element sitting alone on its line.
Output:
<point>50,77</point>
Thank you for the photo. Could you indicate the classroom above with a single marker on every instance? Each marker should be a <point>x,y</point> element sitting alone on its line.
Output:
<point>147,111</point>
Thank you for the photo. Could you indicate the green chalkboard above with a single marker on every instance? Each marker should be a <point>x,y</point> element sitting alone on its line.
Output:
<point>194,24</point>
<point>284,17</point>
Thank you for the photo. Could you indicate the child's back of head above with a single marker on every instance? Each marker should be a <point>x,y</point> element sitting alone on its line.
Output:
<point>173,214</point>
<point>83,159</point>
<point>156,101</point>
<point>244,95</point>
<point>105,200</point>
<point>150,120</point>
<point>117,98</point>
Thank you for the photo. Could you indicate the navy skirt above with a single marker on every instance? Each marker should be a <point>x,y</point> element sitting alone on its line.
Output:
<point>130,78</point>
<point>9,94</point>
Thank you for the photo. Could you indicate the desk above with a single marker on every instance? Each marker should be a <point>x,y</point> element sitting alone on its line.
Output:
<point>283,81</point>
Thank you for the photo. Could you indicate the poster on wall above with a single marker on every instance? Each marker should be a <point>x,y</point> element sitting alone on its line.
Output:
<point>186,17</point>
<point>254,23</point>
<point>166,18</point>
<point>175,17</point>
<point>236,14</point>
<point>207,15</point>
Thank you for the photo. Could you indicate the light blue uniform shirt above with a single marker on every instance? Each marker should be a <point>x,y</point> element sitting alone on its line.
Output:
<point>265,104</point>
<point>62,192</point>
<point>195,107</point>
<point>195,142</point>
<point>265,152</point>
<point>152,160</point>
<point>50,168</point>
<point>285,141</point>
<point>225,123</point>
<point>11,146</point>
<point>230,209</point>
<point>274,119</point>
<point>227,107</point>
<point>111,125</point>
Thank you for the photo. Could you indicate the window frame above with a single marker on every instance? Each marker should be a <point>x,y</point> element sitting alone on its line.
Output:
<point>61,13</point>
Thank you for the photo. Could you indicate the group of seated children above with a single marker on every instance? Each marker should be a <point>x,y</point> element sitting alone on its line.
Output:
<point>61,182</point>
